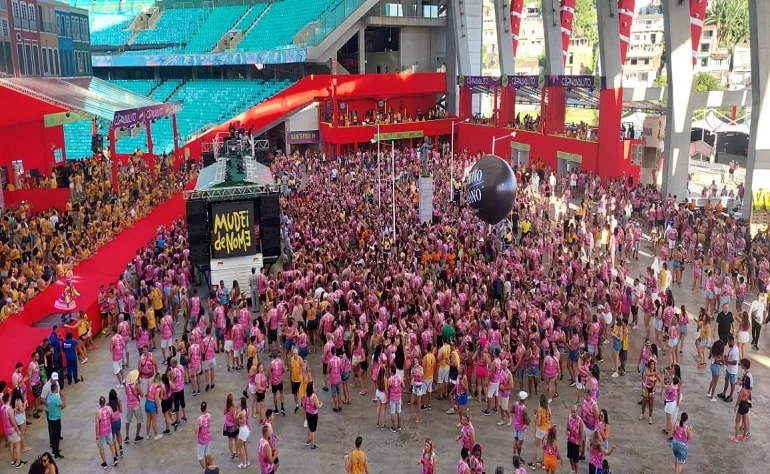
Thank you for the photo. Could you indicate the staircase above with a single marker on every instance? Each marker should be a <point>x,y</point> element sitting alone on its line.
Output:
<point>335,26</point>
<point>230,40</point>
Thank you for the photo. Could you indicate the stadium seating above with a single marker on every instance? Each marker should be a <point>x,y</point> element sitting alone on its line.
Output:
<point>251,16</point>
<point>175,26</point>
<point>168,50</point>
<point>281,22</point>
<point>216,25</point>
<point>206,102</point>
<point>110,29</point>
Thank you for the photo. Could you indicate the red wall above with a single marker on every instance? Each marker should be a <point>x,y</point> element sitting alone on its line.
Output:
<point>479,138</point>
<point>39,199</point>
<point>32,143</point>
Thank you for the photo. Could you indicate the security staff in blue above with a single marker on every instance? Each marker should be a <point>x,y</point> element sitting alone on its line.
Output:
<point>69,346</point>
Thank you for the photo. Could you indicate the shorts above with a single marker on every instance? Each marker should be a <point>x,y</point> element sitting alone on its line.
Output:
<point>623,355</point>
<point>295,387</point>
<point>278,388</point>
<point>346,376</point>
<point>150,407</point>
<point>724,300</point>
<point>519,435</point>
<point>616,345</point>
<point>709,295</point>
<point>165,343</point>
<point>209,364</point>
<point>303,351</point>
<point>166,404</point>
<point>312,422</point>
<point>243,433</point>
<point>607,318</point>
<point>117,366</point>
<point>220,335</point>
<point>573,355</point>
<point>418,389</point>
<point>493,389</point>
<point>680,451</point>
<point>744,407</point>
<point>380,396</point>
<point>587,434</point>
<point>462,399</point>
<point>533,372</point>
<point>272,335</point>
<point>669,407</point>
<point>395,407</point>
<point>236,352</point>
<point>230,431</point>
<point>657,324</point>
<point>550,462</point>
<point>105,441</point>
<point>428,386</point>
<point>504,402</point>
<point>591,349</point>
<point>336,389</point>
<point>288,344</point>
<point>573,452</point>
<point>260,397</point>
<point>178,400</point>
<point>540,434</point>
<point>682,330</point>
<point>134,412</point>
<point>716,369</point>
<point>115,426</point>
<point>228,345</point>
<point>201,450</point>
<point>443,375</point>
<point>731,378</point>
<point>673,342</point>
<point>325,368</point>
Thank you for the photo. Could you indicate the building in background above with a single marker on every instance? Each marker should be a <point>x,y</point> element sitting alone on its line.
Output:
<point>25,36</point>
<point>6,53</point>
<point>645,49</point>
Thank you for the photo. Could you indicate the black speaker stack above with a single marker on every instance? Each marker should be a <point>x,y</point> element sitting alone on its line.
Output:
<point>198,230</point>
<point>270,226</point>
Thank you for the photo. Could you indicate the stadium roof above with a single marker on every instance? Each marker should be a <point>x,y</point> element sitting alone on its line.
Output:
<point>91,95</point>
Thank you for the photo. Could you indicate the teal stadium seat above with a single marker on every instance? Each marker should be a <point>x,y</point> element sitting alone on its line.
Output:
<point>175,26</point>
<point>219,22</point>
<point>251,16</point>
<point>281,22</point>
<point>110,29</point>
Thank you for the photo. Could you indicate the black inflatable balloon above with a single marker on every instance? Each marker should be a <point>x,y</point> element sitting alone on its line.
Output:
<point>491,189</point>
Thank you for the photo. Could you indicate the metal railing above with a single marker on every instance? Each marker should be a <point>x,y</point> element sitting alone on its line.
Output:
<point>318,30</point>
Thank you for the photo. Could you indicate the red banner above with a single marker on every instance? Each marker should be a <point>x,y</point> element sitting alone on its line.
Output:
<point>516,7</point>
<point>626,18</point>
<point>567,15</point>
<point>697,16</point>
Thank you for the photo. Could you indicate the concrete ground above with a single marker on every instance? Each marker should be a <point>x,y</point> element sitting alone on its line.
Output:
<point>640,448</point>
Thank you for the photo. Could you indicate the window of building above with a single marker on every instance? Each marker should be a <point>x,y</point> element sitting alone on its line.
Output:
<point>637,37</point>
<point>643,76</point>
<point>8,57</point>
<point>704,48</point>
<point>23,11</point>
<point>67,27</point>
<point>76,28</point>
<point>430,11</point>
<point>45,61</point>
<point>56,62</point>
<point>16,17</point>
<point>394,9</point>
<point>653,38</point>
<point>4,28</point>
<point>646,61</point>
<point>708,34</point>
<point>570,59</point>
<point>20,58</point>
<point>633,61</point>
<point>32,17</point>
<point>35,59</point>
<point>51,66</point>
<point>3,7</point>
<point>28,58</point>
<point>704,62</point>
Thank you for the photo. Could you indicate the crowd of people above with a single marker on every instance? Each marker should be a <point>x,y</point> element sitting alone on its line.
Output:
<point>438,313</point>
<point>41,245</point>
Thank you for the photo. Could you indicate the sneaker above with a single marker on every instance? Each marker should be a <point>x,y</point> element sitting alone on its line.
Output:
<point>615,375</point>
<point>728,399</point>
<point>486,412</point>
<point>283,412</point>
<point>304,425</point>
<point>121,453</point>
<point>500,423</point>
<point>184,419</point>
<point>138,438</point>
<point>509,423</point>
<point>208,387</point>
<point>641,417</point>
<point>167,431</point>
<point>392,429</point>
<point>736,439</point>
<point>307,443</point>
<point>713,399</point>
<point>21,464</point>
<point>296,409</point>
<point>451,411</point>
<point>600,359</point>
<point>104,465</point>
<point>115,462</point>
<point>127,440</point>
<point>158,437</point>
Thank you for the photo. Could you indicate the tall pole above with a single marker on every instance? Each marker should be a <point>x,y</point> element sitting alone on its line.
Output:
<point>452,166</point>
<point>393,168</point>
<point>379,166</point>
<point>494,140</point>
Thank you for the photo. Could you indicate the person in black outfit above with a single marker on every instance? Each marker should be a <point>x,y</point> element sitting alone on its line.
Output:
<point>724,323</point>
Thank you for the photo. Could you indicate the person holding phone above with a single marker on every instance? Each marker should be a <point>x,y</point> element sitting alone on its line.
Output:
<point>679,445</point>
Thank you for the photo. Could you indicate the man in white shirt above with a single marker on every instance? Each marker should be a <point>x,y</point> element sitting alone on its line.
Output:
<point>757,313</point>
<point>731,369</point>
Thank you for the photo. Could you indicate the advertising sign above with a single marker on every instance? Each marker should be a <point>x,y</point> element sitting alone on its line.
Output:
<point>233,229</point>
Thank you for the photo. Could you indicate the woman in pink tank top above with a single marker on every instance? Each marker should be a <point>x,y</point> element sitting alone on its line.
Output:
<point>230,428</point>
<point>312,405</point>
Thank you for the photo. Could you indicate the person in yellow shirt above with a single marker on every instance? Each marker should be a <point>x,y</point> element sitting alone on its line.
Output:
<point>429,372</point>
<point>156,297</point>
<point>355,462</point>
<point>443,371</point>
<point>295,372</point>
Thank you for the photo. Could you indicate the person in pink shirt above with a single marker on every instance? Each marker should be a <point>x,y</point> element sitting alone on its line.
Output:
<point>238,338</point>
<point>117,348</point>
<point>203,435</point>
<point>166,334</point>
<point>124,330</point>
<point>194,368</point>
<point>176,380</point>
<point>335,379</point>
<point>208,350</point>
<point>276,382</point>
<point>195,308</point>
<point>395,389</point>
<point>103,428</point>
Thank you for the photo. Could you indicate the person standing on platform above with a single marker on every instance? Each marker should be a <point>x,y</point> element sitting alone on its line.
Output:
<point>55,404</point>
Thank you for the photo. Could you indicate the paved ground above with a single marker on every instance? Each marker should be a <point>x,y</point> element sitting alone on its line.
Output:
<point>640,448</point>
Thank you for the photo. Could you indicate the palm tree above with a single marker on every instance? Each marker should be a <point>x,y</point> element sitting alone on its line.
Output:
<point>731,17</point>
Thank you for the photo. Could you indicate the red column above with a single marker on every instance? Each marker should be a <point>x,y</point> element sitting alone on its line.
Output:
<point>697,15</point>
<point>516,7</point>
<point>175,131</point>
<point>495,108</point>
<point>114,158</point>
<point>93,127</point>
<point>567,14</point>
<point>466,102</point>
<point>150,158</point>
<point>625,17</point>
<point>555,110</point>
<point>610,113</point>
